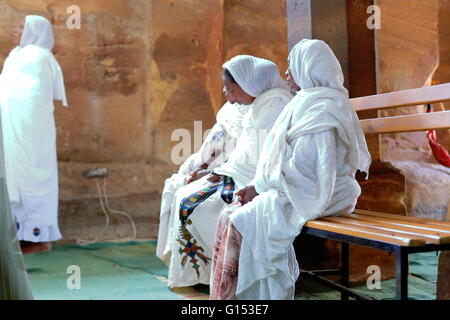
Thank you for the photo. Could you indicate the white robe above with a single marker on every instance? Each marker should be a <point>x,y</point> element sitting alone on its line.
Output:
<point>310,176</point>
<point>306,171</point>
<point>241,166</point>
<point>30,81</point>
<point>221,140</point>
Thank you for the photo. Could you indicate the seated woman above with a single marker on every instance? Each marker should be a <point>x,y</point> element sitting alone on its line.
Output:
<point>306,171</point>
<point>214,151</point>
<point>249,81</point>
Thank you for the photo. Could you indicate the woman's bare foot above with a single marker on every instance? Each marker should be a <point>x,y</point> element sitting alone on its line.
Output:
<point>32,248</point>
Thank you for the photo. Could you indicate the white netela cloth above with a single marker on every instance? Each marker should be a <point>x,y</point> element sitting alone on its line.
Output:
<point>264,79</point>
<point>221,140</point>
<point>306,171</point>
<point>31,79</point>
<point>241,165</point>
<point>255,75</point>
<point>259,78</point>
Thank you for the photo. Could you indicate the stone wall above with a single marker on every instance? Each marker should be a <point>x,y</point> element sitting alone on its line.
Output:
<point>409,51</point>
<point>136,71</point>
<point>442,74</point>
<point>411,46</point>
<point>256,27</point>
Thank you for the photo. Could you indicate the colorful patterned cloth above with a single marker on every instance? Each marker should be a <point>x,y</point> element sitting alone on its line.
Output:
<point>227,190</point>
<point>189,248</point>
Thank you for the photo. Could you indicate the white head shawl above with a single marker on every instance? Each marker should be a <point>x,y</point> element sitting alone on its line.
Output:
<point>37,31</point>
<point>254,75</point>
<point>313,65</point>
<point>38,34</point>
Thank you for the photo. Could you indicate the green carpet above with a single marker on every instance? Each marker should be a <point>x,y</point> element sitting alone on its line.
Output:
<point>108,271</point>
<point>131,271</point>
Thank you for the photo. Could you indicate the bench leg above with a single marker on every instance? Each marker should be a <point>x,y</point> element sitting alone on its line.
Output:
<point>344,268</point>
<point>401,274</point>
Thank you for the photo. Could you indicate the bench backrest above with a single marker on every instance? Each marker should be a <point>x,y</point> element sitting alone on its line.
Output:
<point>405,98</point>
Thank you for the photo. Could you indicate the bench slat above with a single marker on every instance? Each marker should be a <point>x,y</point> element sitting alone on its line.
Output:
<point>357,232</point>
<point>425,221</point>
<point>406,225</point>
<point>407,123</point>
<point>341,222</point>
<point>428,236</point>
<point>404,98</point>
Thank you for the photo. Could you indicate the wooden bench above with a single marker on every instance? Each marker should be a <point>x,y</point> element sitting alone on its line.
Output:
<point>397,234</point>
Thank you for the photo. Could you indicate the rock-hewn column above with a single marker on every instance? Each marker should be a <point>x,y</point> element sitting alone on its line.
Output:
<point>408,54</point>
<point>320,19</point>
<point>299,21</point>
<point>385,181</point>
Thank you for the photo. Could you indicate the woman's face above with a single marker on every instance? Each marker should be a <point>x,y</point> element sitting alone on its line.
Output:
<point>17,34</point>
<point>290,79</point>
<point>234,93</point>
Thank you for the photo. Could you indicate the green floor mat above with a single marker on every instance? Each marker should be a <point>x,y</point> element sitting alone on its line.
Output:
<point>104,276</point>
<point>131,271</point>
<point>139,256</point>
<point>424,266</point>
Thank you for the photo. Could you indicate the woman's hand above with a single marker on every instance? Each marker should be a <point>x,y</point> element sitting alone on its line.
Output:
<point>246,195</point>
<point>200,173</point>
<point>213,178</point>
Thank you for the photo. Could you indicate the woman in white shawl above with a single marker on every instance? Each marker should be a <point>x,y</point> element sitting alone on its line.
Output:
<point>249,81</point>
<point>31,79</point>
<point>219,142</point>
<point>306,171</point>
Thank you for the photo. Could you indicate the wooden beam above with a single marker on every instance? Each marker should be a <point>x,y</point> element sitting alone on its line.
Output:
<point>386,229</point>
<point>407,123</point>
<point>426,221</point>
<point>366,234</point>
<point>404,98</point>
<point>404,225</point>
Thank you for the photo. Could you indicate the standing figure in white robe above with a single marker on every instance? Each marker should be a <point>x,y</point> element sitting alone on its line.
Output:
<point>218,144</point>
<point>250,81</point>
<point>31,79</point>
<point>306,171</point>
